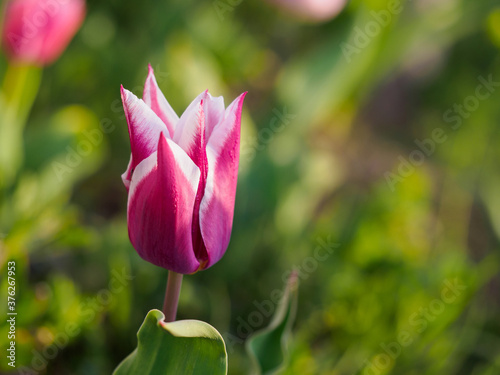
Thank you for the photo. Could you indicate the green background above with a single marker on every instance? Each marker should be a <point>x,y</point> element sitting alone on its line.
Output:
<point>379,303</point>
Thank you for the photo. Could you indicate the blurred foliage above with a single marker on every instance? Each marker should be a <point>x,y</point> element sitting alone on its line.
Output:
<point>380,302</point>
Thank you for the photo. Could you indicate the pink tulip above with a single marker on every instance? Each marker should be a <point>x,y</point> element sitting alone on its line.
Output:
<point>181,178</point>
<point>315,10</point>
<point>38,31</point>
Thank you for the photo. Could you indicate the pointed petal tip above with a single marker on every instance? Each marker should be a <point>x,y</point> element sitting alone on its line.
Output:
<point>128,97</point>
<point>162,143</point>
<point>124,93</point>
<point>243,95</point>
<point>150,81</point>
<point>238,102</point>
<point>151,72</point>
<point>205,95</point>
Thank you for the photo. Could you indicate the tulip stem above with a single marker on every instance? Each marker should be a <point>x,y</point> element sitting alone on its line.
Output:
<point>172,296</point>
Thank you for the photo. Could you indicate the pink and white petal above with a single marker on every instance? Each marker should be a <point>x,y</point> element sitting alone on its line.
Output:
<point>217,205</point>
<point>126,175</point>
<point>214,109</point>
<point>160,208</point>
<point>155,99</point>
<point>190,136</point>
<point>190,132</point>
<point>144,128</point>
<point>192,113</point>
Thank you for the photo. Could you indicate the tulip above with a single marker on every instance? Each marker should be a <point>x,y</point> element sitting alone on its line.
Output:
<point>181,178</point>
<point>314,10</point>
<point>38,31</point>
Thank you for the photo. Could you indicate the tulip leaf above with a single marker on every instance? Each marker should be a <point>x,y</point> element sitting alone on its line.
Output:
<point>188,347</point>
<point>268,348</point>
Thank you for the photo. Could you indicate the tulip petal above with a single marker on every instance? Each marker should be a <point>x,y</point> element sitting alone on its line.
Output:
<point>126,176</point>
<point>144,127</point>
<point>214,109</point>
<point>190,130</point>
<point>160,208</point>
<point>190,136</point>
<point>217,205</point>
<point>155,99</point>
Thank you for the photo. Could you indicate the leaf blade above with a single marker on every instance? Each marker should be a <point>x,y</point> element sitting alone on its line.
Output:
<point>188,347</point>
<point>268,347</point>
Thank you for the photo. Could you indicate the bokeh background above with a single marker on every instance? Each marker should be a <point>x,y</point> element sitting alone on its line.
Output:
<point>329,154</point>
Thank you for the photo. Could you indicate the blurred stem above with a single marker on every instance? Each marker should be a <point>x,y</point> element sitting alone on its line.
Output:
<point>19,90</point>
<point>172,296</point>
<point>3,4</point>
<point>20,87</point>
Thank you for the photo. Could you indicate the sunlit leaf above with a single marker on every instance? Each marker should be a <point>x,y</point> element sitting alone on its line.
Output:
<point>188,347</point>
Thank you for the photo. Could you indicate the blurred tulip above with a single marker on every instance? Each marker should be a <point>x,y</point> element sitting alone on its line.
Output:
<point>314,10</point>
<point>181,178</point>
<point>37,31</point>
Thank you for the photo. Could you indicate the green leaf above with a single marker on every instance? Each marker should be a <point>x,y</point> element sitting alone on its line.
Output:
<point>268,347</point>
<point>187,347</point>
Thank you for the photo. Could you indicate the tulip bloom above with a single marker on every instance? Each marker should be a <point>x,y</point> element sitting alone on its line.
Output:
<point>38,31</point>
<point>314,10</point>
<point>181,178</point>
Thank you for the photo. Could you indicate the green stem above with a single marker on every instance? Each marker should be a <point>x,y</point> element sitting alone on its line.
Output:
<point>172,296</point>
<point>19,90</point>
<point>3,3</point>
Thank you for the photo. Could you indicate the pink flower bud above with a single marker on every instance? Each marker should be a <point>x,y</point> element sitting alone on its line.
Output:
<point>314,10</point>
<point>37,31</point>
<point>181,178</point>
